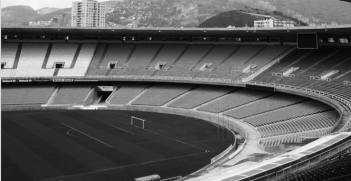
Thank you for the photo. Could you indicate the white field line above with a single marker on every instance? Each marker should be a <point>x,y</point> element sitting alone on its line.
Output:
<point>144,142</point>
<point>115,168</point>
<point>121,129</point>
<point>163,136</point>
<point>173,139</point>
<point>69,133</point>
<point>88,135</point>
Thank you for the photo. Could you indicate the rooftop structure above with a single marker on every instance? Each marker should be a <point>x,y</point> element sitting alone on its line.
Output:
<point>273,23</point>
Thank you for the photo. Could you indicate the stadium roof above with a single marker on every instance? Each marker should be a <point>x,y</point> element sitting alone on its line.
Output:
<point>331,31</point>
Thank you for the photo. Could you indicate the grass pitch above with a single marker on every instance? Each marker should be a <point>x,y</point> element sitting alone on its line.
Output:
<point>103,145</point>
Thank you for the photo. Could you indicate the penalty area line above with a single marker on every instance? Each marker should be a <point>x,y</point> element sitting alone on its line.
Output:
<point>121,129</point>
<point>87,135</point>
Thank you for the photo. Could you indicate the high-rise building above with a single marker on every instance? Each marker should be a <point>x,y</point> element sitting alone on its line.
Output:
<point>88,13</point>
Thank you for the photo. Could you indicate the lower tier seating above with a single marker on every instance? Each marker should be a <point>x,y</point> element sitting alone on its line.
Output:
<point>160,94</point>
<point>266,104</point>
<point>234,99</point>
<point>71,94</point>
<point>200,96</point>
<point>306,123</point>
<point>289,112</point>
<point>126,92</point>
<point>25,94</point>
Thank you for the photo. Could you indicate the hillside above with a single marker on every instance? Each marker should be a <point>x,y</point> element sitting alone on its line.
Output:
<point>313,12</point>
<point>184,13</point>
<point>46,10</point>
<point>18,14</point>
<point>231,18</point>
<point>49,16</point>
<point>242,18</point>
<point>167,13</point>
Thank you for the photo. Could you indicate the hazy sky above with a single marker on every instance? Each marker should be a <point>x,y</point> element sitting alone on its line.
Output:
<point>37,4</point>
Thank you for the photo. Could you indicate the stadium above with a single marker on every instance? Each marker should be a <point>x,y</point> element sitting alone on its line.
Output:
<point>176,104</point>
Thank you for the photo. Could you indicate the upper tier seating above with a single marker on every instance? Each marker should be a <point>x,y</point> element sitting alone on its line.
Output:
<point>141,57</point>
<point>32,55</point>
<point>71,94</point>
<point>282,65</point>
<point>143,54</point>
<point>344,71</point>
<point>25,94</point>
<point>169,54</point>
<point>200,96</point>
<point>189,59</point>
<point>266,104</point>
<point>94,68</point>
<point>126,92</point>
<point>285,113</point>
<point>82,63</point>
<point>192,56</point>
<point>267,55</point>
<point>333,62</point>
<point>31,61</point>
<point>217,56</point>
<point>234,99</point>
<point>160,94</point>
<point>8,53</point>
<point>236,61</point>
<point>62,52</point>
<point>117,53</point>
<point>313,59</point>
<point>310,63</point>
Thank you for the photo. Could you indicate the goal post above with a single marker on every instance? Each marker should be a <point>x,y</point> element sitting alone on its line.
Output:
<point>137,122</point>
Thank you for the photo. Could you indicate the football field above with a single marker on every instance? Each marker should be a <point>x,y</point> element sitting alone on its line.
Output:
<point>103,145</point>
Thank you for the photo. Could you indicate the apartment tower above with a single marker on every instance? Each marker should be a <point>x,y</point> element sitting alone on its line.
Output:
<point>88,13</point>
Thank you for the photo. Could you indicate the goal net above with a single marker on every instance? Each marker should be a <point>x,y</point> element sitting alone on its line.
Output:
<point>137,122</point>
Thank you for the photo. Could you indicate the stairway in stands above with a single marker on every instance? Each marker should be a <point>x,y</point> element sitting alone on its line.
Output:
<point>47,56</point>
<point>203,57</point>
<point>56,72</point>
<point>76,56</point>
<point>129,56</point>
<point>108,72</point>
<point>179,57</point>
<point>253,56</point>
<point>103,56</point>
<point>230,55</point>
<point>155,56</point>
<point>18,54</point>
